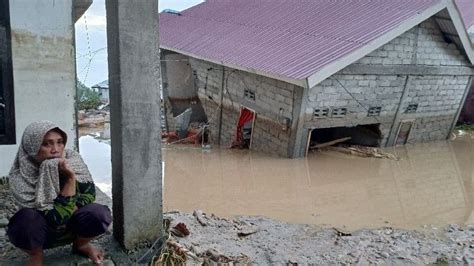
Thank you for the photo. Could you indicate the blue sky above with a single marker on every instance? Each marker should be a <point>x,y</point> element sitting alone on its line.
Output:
<point>92,62</point>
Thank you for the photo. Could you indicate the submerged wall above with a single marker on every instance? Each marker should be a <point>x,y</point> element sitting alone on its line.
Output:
<point>417,69</point>
<point>272,100</point>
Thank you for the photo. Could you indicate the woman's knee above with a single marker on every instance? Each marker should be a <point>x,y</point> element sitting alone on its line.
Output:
<point>91,220</point>
<point>28,230</point>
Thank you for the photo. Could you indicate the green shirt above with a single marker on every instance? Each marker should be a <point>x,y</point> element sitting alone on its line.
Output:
<point>64,207</point>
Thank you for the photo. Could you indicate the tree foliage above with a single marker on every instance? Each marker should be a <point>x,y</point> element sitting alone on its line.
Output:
<point>87,98</point>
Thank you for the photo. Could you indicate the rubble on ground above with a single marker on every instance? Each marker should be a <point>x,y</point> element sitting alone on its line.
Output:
<point>92,118</point>
<point>265,241</point>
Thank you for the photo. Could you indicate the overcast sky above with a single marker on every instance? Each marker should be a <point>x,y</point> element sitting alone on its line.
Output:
<point>92,62</point>
<point>94,19</point>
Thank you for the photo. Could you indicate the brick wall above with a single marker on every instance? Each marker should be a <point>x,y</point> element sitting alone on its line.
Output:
<point>438,97</point>
<point>356,93</point>
<point>422,45</point>
<point>273,101</point>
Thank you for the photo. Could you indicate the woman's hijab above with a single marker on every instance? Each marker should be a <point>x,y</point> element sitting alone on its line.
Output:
<point>36,185</point>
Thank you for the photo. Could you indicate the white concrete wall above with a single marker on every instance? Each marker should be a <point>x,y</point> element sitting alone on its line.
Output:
<point>43,68</point>
<point>104,95</point>
<point>179,79</point>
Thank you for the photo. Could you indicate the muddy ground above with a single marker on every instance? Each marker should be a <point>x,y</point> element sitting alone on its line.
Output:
<point>266,241</point>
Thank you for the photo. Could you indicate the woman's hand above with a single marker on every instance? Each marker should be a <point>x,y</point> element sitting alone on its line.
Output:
<point>69,188</point>
<point>65,170</point>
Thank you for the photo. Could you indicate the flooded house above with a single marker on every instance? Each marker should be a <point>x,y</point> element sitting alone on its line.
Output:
<point>103,89</point>
<point>281,76</point>
<point>37,69</point>
<point>467,11</point>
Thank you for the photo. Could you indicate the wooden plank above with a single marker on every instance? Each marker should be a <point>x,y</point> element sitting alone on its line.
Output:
<point>330,143</point>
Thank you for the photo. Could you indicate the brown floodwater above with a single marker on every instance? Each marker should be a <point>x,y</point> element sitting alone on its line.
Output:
<point>432,184</point>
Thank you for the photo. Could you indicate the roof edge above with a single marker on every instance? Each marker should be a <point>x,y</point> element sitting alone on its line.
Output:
<point>461,29</point>
<point>298,82</point>
<point>343,62</point>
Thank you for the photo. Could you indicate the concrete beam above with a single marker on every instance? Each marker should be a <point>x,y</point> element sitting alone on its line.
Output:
<point>134,73</point>
<point>396,120</point>
<point>360,69</point>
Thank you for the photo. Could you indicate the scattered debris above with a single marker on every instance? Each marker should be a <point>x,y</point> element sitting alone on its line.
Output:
<point>199,216</point>
<point>180,230</point>
<point>340,232</point>
<point>248,230</point>
<point>330,143</point>
<point>171,254</point>
<point>362,151</point>
<point>216,256</point>
<point>283,243</point>
<point>93,118</point>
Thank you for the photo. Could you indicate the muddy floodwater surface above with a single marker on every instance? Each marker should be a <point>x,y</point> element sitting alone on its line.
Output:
<point>432,184</point>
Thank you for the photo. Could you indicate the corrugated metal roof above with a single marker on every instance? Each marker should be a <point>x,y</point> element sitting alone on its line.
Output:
<point>466,8</point>
<point>103,85</point>
<point>290,38</point>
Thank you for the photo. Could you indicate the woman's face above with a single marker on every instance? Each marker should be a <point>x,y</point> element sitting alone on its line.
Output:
<point>52,146</point>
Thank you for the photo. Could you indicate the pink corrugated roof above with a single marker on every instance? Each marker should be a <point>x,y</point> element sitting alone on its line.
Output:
<point>466,8</point>
<point>290,38</point>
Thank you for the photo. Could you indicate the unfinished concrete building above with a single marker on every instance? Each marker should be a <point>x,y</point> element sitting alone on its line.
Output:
<point>37,69</point>
<point>279,76</point>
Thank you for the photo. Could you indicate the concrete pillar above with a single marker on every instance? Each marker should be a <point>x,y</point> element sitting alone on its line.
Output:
<point>134,73</point>
<point>297,147</point>
<point>396,119</point>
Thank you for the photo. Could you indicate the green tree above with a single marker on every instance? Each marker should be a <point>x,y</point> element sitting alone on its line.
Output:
<point>86,97</point>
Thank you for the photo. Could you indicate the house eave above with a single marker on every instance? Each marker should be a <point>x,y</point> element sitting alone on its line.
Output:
<point>461,29</point>
<point>297,82</point>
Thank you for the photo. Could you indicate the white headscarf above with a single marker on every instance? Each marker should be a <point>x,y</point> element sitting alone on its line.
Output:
<point>35,185</point>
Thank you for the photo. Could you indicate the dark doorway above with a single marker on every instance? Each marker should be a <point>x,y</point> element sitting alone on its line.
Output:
<point>365,135</point>
<point>245,125</point>
<point>7,109</point>
<point>467,113</point>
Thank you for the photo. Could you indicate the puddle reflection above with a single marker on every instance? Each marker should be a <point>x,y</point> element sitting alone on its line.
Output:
<point>96,155</point>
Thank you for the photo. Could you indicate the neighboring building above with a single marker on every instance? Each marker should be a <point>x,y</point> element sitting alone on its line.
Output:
<point>279,76</point>
<point>103,90</point>
<point>466,7</point>
<point>37,69</point>
<point>179,90</point>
